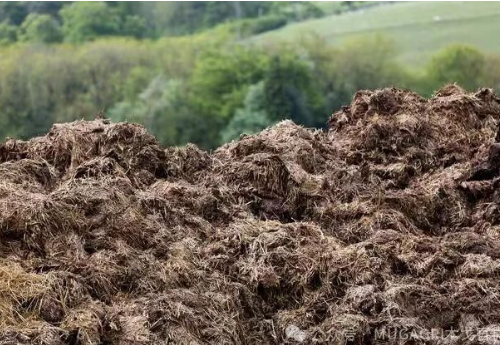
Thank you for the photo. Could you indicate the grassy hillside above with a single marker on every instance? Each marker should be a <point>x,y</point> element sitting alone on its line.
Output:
<point>418,29</point>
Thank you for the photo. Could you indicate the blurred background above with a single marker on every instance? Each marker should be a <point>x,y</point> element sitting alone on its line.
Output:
<point>205,72</point>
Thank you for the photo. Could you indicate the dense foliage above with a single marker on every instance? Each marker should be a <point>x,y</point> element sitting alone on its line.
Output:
<point>206,87</point>
<point>83,21</point>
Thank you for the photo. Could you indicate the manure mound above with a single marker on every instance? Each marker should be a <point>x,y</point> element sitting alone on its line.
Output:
<point>384,229</point>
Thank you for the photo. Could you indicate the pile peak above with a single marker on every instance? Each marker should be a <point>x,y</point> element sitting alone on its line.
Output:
<point>389,221</point>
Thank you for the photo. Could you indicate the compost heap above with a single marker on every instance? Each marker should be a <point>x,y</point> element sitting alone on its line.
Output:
<point>387,222</point>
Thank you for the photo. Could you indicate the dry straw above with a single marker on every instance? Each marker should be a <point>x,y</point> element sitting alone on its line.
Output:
<point>385,226</point>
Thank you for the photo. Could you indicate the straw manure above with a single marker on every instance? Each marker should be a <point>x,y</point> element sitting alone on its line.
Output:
<point>389,221</point>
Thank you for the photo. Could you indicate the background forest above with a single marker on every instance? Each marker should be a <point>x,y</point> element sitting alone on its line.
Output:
<point>205,72</point>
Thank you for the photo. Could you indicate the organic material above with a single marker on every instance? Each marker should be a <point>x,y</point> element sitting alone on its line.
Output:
<point>385,228</point>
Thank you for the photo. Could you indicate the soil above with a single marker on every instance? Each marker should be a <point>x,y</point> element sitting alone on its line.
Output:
<point>383,229</point>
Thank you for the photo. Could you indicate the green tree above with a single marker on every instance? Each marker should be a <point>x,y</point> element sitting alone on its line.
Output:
<point>134,26</point>
<point>40,28</point>
<point>250,119</point>
<point>137,80</point>
<point>42,84</point>
<point>44,7</point>
<point>216,12</point>
<point>25,93</point>
<point>179,17</point>
<point>186,17</point>
<point>127,111</point>
<point>221,78</point>
<point>8,33</point>
<point>162,109</point>
<point>84,21</point>
<point>460,64</point>
<point>13,11</point>
<point>291,92</point>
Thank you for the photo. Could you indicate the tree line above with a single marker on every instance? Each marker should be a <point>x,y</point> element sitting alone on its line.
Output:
<point>76,22</point>
<point>207,88</point>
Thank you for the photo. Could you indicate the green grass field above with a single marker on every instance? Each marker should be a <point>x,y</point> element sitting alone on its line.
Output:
<point>418,28</point>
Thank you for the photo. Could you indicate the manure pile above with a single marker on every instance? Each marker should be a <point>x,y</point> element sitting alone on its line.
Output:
<point>385,229</point>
